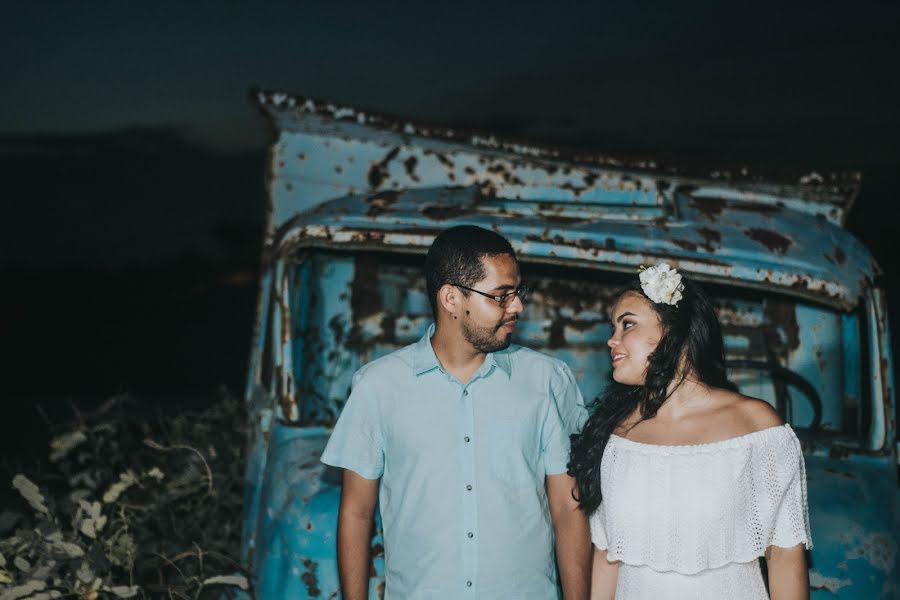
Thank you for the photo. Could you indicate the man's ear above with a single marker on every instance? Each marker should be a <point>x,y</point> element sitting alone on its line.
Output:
<point>449,298</point>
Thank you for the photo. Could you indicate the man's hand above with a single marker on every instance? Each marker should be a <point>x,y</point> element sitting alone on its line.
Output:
<point>358,498</point>
<point>573,537</point>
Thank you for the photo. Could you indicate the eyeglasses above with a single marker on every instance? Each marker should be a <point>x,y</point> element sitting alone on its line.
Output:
<point>503,299</point>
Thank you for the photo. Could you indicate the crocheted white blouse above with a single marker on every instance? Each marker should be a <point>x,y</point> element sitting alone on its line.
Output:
<point>691,521</point>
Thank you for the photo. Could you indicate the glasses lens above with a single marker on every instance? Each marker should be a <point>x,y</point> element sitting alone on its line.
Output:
<point>522,292</point>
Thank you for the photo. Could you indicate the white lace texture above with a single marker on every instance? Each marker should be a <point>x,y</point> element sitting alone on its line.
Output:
<point>691,508</point>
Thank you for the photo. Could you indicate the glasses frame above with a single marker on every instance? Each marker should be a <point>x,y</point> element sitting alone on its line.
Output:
<point>502,299</point>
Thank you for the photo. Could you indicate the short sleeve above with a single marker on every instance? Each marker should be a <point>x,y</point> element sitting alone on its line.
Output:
<point>597,522</point>
<point>787,477</point>
<point>357,442</point>
<point>565,415</point>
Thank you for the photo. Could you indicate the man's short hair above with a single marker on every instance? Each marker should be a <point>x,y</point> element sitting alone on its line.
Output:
<point>455,258</point>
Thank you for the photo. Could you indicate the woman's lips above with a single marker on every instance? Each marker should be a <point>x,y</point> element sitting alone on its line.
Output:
<point>617,358</point>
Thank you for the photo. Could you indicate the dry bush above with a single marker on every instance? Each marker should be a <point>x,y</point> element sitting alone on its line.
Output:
<point>132,507</point>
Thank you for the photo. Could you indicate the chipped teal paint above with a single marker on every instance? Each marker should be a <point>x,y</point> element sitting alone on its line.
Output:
<point>723,249</point>
<point>792,286</point>
<point>854,520</point>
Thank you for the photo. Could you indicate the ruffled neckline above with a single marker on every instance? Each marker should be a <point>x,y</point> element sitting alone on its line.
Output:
<point>741,440</point>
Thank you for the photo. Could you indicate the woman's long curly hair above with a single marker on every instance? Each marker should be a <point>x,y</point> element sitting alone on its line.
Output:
<point>690,330</point>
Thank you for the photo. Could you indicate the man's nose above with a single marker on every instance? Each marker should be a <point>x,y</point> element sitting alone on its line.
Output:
<point>516,306</point>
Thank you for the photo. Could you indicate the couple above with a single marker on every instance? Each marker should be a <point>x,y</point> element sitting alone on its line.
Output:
<point>674,488</point>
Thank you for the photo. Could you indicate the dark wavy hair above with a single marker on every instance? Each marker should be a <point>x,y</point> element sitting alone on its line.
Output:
<point>691,330</point>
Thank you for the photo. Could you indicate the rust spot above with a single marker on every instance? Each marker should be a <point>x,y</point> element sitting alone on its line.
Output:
<point>557,337</point>
<point>772,240</point>
<point>710,208</point>
<point>662,223</point>
<point>839,255</point>
<point>364,297</point>
<point>284,398</point>
<point>442,158</point>
<point>367,236</point>
<point>442,213</point>
<point>378,172</point>
<point>576,191</point>
<point>710,237</point>
<point>410,165</point>
<point>763,209</point>
<point>784,314</point>
<point>381,202</point>
<point>376,552</point>
<point>686,244</point>
<point>337,329</point>
<point>309,578</point>
<point>562,219</point>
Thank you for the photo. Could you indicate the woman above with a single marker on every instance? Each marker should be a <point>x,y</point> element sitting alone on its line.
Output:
<point>686,482</point>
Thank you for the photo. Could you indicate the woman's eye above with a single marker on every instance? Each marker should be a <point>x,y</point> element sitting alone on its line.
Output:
<point>627,324</point>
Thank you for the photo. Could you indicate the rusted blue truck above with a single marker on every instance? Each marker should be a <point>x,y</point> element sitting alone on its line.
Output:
<point>355,199</point>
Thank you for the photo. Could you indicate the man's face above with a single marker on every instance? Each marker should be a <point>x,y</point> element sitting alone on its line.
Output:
<point>485,324</point>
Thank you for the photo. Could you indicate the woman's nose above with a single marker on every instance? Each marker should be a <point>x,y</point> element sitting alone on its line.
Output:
<point>612,342</point>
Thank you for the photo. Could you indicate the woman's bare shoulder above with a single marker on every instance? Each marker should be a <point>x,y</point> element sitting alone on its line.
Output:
<point>747,414</point>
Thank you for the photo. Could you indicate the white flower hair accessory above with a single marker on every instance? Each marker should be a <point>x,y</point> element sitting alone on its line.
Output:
<point>662,283</point>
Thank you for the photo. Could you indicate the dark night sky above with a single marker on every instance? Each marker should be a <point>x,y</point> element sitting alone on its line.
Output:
<point>132,163</point>
<point>806,84</point>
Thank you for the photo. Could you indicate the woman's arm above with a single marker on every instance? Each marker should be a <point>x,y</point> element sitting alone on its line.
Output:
<point>788,577</point>
<point>603,576</point>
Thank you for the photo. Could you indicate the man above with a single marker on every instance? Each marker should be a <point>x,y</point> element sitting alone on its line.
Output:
<point>469,437</point>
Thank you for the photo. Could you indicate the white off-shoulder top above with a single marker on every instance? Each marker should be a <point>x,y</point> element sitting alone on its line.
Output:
<point>691,521</point>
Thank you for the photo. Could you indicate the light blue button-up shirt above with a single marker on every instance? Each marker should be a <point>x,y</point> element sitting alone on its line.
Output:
<point>462,468</point>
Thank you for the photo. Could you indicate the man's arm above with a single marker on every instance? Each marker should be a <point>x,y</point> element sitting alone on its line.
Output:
<point>354,535</point>
<point>573,537</point>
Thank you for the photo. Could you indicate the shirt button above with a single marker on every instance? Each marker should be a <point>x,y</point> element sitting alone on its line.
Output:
<point>467,439</point>
<point>465,392</point>
<point>468,584</point>
<point>470,535</point>
<point>469,487</point>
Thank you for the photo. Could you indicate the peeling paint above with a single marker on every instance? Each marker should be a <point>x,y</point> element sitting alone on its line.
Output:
<point>831,584</point>
<point>357,199</point>
<point>772,240</point>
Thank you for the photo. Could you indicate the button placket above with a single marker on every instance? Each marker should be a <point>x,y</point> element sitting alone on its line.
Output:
<point>470,505</point>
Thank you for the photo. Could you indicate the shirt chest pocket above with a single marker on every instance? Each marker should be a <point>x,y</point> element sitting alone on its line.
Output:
<point>515,451</point>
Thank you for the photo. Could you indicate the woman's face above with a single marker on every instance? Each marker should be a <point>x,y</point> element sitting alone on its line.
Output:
<point>636,332</point>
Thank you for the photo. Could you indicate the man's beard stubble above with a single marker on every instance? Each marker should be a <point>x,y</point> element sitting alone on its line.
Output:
<point>484,339</point>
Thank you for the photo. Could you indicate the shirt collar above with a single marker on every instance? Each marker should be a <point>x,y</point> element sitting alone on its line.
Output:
<point>426,360</point>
